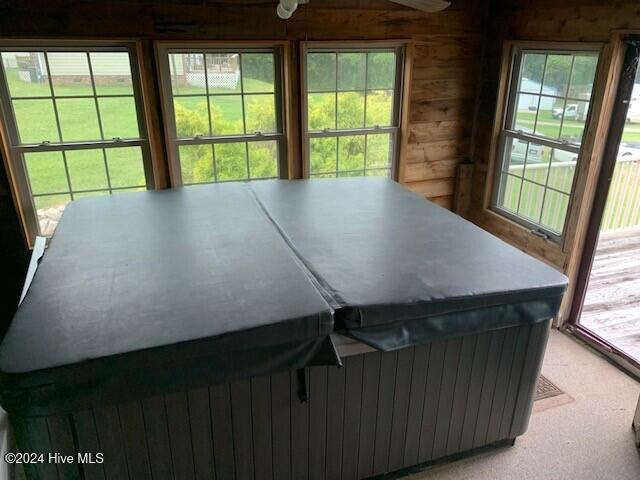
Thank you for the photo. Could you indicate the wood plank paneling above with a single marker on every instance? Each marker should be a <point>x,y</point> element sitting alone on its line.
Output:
<point>180,435</point>
<point>62,443</point>
<point>386,388</point>
<point>281,425</point>
<point>111,442</point>
<point>299,431</point>
<point>335,421</point>
<point>157,434</point>
<point>200,423</point>
<point>416,404</point>
<point>353,404</point>
<point>87,437</point>
<point>317,422</point>
<point>379,413</point>
<point>400,408</point>
<point>261,423</point>
<point>242,429</point>
<point>135,442</point>
<point>370,381</point>
<point>431,397</point>
<point>222,425</point>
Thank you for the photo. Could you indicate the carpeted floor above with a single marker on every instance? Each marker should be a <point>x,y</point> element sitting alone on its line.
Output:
<point>583,434</point>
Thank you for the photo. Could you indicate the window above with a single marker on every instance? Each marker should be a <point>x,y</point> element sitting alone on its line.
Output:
<point>548,107</point>
<point>352,111</point>
<point>224,114</point>
<point>72,121</point>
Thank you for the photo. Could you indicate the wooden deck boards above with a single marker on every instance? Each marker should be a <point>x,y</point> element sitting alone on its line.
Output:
<point>612,304</point>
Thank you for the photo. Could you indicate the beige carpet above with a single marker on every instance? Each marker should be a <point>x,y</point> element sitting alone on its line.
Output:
<point>584,434</point>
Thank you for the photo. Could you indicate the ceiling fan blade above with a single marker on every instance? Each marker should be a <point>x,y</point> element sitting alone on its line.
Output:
<point>429,6</point>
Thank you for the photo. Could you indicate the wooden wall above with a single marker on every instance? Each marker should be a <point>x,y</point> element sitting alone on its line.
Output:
<point>586,21</point>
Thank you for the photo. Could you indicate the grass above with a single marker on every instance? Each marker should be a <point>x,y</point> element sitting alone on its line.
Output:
<point>87,169</point>
<point>570,128</point>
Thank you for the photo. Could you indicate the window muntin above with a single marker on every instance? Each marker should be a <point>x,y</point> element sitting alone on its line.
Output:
<point>225,113</point>
<point>549,101</point>
<point>74,127</point>
<point>352,106</point>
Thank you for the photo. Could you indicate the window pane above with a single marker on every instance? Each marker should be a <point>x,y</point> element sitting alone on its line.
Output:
<point>70,73</point>
<point>111,73</point>
<point>322,111</point>
<point>87,170</point>
<point>350,110</point>
<point>196,163</point>
<point>321,72</point>
<point>46,172</point>
<point>378,172</point>
<point>537,165</point>
<point>556,75</point>
<point>263,159</point>
<point>563,167</point>
<point>525,115</point>
<point>49,210</point>
<point>351,153</point>
<point>260,113</point>
<point>554,211</point>
<point>531,201</point>
<point>516,151</point>
<point>549,117</point>
<point>379,151</point>
<point>351,71</point>
<point>119,117</point>
<point>323,154</point>
<point>381,70</point>
<point>26,74</point>
<point>575,116</point>
<point>223,72</point>
<point>379,108</point>
<point>226,114</point>
<point>584,71</point>
<point>531,74</point>
<point>36,121</point>
<point>126,168</point>
<point>509,192</point>
<point>258,72</point>
<point>191,116</point>
<point>231,161</point>
<point>78,119</point>
<point>100,193</point>
<point>187,73</point>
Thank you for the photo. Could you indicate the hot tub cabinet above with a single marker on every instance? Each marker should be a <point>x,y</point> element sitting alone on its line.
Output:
<point>366,332</point>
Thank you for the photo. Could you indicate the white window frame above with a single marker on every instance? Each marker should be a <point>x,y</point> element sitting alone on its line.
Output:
<point>16,149</point>
<point>398,94</point>
<point>163,49</point>
<point>509,133</point>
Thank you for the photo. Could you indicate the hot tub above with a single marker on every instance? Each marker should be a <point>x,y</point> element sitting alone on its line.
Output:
<point>307,329</point>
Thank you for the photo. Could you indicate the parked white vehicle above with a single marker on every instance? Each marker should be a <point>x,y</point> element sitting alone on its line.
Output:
<point>573,111</point>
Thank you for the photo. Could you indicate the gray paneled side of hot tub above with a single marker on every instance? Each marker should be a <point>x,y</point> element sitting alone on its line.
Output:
<point>381,412</point>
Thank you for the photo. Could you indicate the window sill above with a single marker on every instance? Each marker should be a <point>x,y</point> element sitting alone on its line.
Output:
<point>520,237</point>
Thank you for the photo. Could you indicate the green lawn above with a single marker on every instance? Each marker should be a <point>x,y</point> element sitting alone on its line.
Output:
<point>550,127</point>
<point>80,121</point>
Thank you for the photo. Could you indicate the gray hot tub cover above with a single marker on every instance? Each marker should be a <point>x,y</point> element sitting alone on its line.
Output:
<point>231,280</point>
